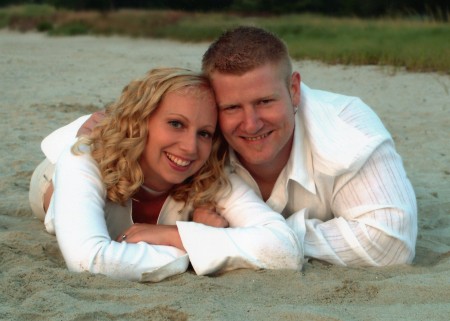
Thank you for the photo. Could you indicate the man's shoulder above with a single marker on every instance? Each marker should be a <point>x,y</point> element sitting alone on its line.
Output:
<point>342,130</point>
<point>331,102</point>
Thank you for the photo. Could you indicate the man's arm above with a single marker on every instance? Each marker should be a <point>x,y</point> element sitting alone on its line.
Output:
<point>375,213</point>
<point>90,123</point>
<point>256,238</point>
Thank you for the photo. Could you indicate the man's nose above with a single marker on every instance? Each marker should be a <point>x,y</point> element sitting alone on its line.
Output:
<point>252,122</point>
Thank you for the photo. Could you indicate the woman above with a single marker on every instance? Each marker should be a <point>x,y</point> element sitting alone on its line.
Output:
<point>123,196</point>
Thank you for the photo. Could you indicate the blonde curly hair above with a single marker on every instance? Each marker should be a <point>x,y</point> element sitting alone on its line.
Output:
<point>119,140</point>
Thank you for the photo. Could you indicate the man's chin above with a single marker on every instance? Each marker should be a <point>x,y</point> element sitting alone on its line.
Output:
<point>255,160</point>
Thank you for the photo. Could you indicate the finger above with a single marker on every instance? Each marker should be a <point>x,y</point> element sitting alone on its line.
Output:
<point>122,238</point>
<point>98,115</point>
<point>224,223</point>
<point>125,235</point>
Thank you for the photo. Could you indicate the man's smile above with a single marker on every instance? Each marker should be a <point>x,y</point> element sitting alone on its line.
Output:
<point>256,138</point>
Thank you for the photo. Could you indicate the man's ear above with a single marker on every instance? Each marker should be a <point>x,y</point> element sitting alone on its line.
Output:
<point>295,88</point>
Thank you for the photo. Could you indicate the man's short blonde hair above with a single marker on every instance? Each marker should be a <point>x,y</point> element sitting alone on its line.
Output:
<point>243,49</point>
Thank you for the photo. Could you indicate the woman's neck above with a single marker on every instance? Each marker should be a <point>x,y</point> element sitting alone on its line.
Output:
<point>146,208</point>
<point>152,192</point>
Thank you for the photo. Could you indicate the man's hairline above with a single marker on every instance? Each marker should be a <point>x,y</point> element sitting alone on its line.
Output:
<point>281,65</point>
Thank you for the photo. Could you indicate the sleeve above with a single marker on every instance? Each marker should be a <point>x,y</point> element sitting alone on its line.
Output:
<point>372,200</point>
<point>375,213</point>
<point>257,238</point>
<point>55,143</point>
<point>80,224</point>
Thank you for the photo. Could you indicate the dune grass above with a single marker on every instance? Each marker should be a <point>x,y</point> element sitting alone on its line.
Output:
<point>413,43</point>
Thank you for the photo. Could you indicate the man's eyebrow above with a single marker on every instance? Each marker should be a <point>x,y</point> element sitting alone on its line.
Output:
<point>228,105</point>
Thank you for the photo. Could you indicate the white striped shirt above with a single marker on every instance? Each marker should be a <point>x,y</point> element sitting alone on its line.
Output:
<point>344,190</point>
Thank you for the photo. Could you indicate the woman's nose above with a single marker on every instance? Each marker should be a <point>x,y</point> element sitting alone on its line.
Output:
<point>189,143</point>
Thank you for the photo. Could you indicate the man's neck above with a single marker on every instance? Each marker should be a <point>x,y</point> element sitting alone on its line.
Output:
<point>266,175</point>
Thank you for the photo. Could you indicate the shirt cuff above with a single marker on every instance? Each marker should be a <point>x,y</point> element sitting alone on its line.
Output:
<point>177,266</point>
<point>207,247</point>
<point>297,223</point>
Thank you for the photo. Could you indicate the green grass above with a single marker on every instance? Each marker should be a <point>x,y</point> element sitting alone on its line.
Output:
<point>417,45</point>
<point>31,10</point>
<point>422,46</point>
<point>25,17</point>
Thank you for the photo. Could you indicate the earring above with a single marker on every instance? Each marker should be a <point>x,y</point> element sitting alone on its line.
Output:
<point>295,109</point>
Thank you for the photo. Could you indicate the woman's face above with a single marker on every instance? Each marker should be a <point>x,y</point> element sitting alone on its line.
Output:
<point>180,134</point>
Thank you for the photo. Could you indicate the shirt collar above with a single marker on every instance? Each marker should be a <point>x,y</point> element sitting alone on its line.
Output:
<point>299,167</point>
<point>234,161</point>
<point>235,166</point>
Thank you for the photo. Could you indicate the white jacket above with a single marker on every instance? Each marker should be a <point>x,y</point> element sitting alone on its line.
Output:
<point>86,225</point>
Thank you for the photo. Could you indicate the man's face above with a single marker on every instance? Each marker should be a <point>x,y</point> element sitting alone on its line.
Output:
<point>256,113</point>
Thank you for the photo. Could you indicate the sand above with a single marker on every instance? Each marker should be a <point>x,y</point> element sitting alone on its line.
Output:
<point>46,82</point>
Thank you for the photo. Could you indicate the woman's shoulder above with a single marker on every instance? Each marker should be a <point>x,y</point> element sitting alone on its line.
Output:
<point>70,162</point>
<point>56,142</point>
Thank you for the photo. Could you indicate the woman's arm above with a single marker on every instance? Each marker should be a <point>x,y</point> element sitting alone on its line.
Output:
<point>81,226</point>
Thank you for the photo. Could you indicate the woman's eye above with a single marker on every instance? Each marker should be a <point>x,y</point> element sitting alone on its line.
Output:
<point>175,124</point>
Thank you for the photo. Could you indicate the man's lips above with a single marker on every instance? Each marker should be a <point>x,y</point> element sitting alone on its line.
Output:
<point>256,138</point>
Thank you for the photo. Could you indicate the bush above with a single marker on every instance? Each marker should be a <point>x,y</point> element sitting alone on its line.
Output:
<point>44,26</point>
<point>74,28</point>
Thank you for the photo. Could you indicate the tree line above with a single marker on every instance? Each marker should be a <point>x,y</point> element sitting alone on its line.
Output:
<point>438,9</point>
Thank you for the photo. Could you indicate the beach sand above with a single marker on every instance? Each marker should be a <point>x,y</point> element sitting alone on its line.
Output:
<point>47,82</point>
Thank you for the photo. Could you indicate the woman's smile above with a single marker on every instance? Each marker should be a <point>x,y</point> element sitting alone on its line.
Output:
<point>178,161</point>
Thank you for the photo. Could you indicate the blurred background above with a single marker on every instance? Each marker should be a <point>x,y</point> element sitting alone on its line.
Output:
<point>439,9</point>
<point>409,34</point>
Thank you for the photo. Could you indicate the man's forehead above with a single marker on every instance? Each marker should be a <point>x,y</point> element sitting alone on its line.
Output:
<point>252,81</point>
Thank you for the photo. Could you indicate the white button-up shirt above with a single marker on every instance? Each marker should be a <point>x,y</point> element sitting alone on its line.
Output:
<point>344,190</point>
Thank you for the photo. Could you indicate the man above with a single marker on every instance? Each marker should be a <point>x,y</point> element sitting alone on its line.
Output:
<point>323,160</point>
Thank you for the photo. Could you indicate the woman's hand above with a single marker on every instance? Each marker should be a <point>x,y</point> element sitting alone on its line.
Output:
<point>152,234</point>
<point>209,217</point>
<point>90,123</point>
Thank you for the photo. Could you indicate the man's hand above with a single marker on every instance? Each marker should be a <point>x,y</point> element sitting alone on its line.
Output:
<point>89,124</point>
<point>209,217</point>
<point>152,234</point>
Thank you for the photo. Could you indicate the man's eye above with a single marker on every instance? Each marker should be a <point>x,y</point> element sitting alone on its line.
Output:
<point>230,108</point>
<point>175,124</point>
<point>205,134</point>
<point>265,101</point>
